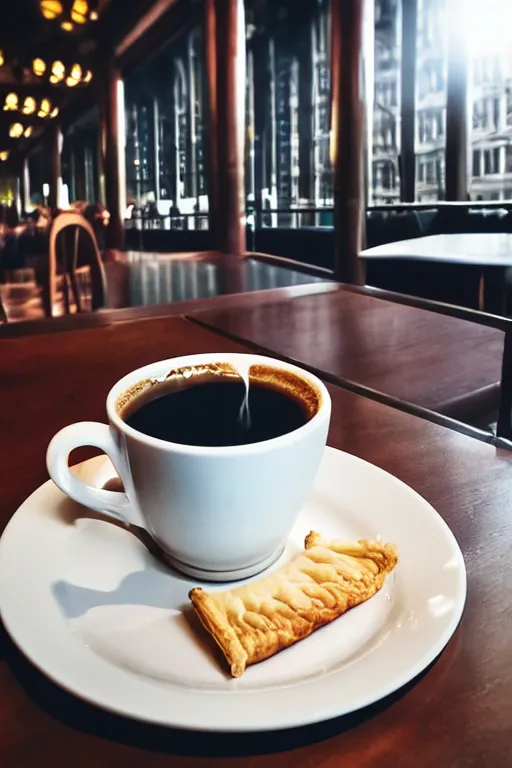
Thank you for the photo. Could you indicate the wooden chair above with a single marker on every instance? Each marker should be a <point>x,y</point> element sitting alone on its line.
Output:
<point>73,253</point>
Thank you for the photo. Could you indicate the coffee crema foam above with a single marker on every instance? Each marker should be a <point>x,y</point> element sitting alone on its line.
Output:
<point>282,380</point>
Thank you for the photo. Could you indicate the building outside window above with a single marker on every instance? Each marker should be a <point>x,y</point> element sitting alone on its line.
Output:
<point>165,133</point>
<point>431,79</point>
<point>488,29</point>
<point>486,25</point>
<point>288,110</point>
<point>386,105</point>
<point>81,159</point>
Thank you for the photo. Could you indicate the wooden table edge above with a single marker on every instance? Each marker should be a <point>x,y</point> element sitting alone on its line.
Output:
<point>361,389</point>
<point>107,316</point>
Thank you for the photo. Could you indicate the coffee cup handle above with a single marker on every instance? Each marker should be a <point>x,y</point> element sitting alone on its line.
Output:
<point>114,504</point>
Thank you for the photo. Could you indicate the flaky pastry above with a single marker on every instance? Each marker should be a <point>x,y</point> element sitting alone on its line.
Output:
<point>256,621</point>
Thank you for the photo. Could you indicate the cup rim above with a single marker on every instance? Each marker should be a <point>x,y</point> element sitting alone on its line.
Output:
<point>162,366</point>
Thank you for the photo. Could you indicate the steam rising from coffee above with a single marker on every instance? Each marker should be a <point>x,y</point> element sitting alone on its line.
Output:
<point>244,415</point>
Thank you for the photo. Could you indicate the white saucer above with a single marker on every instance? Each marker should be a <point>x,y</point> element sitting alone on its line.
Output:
<point>93,609</point>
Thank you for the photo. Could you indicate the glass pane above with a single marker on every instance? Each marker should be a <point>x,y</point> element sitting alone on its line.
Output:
<point>385,182</point>
<point>39,170</point>
<point>81,159</point>
<point>166,105</point>
<point>490,103</point>
<point>431,79</point>
<point>288,112</point>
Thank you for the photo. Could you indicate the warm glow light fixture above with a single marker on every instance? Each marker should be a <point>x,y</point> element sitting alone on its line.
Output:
<point>38,67</point>
<point>2,58</point>
<point>11,102</point>
<point>69,13</point>
<point>79,11</point>
<point>16,131</point>
<point>59,73</point>
<point>51,8</point>
<point>75,75</point>
<point>44,108</point>
<point>3,156</point>
<point>30,106</point>
<point>28,131</point>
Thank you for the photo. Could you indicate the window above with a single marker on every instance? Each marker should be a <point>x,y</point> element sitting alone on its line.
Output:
<point>487,162</point>
<point>496,153</point>
<point>288,94</point>
<point>476,162</point>
<point>80,158</point>
<point>165,156</point>
<point>431,66</point>
<point>430,171</point>
<point>386,105</point>
<point>488,26</point>
<point>496,114</point>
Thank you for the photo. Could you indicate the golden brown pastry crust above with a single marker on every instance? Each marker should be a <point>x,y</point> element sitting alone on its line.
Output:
<point>255,621</point>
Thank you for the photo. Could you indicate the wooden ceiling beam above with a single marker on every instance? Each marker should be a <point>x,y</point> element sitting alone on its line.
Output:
<point>144,24</point>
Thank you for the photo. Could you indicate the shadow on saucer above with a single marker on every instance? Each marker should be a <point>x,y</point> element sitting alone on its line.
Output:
<point>83,717</point>
<point>69,511</point>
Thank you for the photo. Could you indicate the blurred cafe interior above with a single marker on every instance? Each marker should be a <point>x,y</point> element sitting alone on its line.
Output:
<point>292,140</point>
<point>325,182</point>
<point>291,137</point>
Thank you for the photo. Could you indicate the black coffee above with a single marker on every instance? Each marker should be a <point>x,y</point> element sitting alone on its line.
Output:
<point>207,413</point>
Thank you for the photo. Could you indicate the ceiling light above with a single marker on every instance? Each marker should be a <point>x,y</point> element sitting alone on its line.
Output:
<point>44,108</point>
<point>29,106</point>
<point>58,71</point>
<point>16,130</point>
<point>28,132</point>
<point>2,58</point>
<point>38,67</point>
<point>51,8</point>
<point>54,112</point>
<point>79,11</point>
<point>70,13</point>
<point>11,102</point>
<point>3,156</point>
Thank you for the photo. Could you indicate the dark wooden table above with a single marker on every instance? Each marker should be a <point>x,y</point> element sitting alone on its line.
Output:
<point>415,356</point>
<point>457,714</point>
<point>104,317</point>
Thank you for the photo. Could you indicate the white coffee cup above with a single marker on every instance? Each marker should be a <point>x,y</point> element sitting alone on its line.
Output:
<point>218,513</point>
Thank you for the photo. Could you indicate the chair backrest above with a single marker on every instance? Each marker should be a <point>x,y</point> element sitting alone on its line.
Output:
<point>73,244</point>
